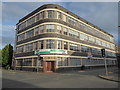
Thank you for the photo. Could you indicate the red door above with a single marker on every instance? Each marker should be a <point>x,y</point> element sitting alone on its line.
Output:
<point>50,66</point>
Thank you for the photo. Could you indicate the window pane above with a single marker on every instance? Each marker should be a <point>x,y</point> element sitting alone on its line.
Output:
<point>59,15</point>
<point>36,31</point>
<point>59,29</point>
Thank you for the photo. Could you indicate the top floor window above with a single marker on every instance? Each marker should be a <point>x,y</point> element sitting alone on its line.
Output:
<point>50,14</point>
<point>30,21</point>
<point>42,15</point>
<point>50,28</point>
<point>21,26</point>
<point>59,15</point>
<point>72,21</point>
<point>64,17</point>
<point>82,26</point>
<point>37,17</point>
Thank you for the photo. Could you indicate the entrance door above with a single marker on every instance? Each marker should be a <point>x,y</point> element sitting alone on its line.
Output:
<point>50,65</point>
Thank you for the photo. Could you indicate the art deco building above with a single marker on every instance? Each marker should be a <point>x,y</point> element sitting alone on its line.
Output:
<point>62,39</point>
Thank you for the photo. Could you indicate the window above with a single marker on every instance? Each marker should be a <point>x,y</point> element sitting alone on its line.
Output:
<point>50,44</point>
<point>28,47</point>
<point>98,42</point>
<point>89,29</point>
<point>64,17</point>
<point>21,26</point>
<point>74,47</point>
<point>37,17</point>
<point>82,26</point>
<point>65,31</point>
<point>84,48</point>
<point>72,21</point>
<point>30,21</point>
<point>27,62</point>
<point>50,14</point>
<point>20,49</point>
<point>59,29</point>
<point>91,39</point>
<point>35,62</point>
<point>42,15</point>
<point>65,45</point>
<point>59,61</point>
<point>59,15</point>
<point>37,31</point>
<point>104,44</point>
<point>74,61</point>
<point>73,34</point>
<point>35,45</point>
<point>50,28</point>
<point>83,37</point>
<point>65,61</point>
<point>41,44</point>
<point>42,29</point>
<point>29,33</point>
<point>21,37</point>
<point>59,44</point>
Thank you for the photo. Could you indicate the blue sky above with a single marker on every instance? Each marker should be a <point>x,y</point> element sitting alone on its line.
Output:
<point>102,14</point>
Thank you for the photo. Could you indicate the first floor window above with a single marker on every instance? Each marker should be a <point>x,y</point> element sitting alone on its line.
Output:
<point>50,44</point>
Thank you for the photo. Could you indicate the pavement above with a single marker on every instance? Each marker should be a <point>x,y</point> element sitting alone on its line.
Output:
<point>73,79</point>
<point>112,75</point>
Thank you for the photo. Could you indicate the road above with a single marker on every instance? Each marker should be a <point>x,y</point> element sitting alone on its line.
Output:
<point>81,79</point>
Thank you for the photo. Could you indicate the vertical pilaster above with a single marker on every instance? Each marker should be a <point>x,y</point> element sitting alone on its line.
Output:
<point>44,44</point>
<point>62,30</point>
<point>68,61</point>
<point>62,61</point>
<point>55,28</point>
<point>56,44</point>
<point>55,15</point>
<point>81,62</point>
<point>45,14</point>
<point>44,29</point>
<point>32,62</point>
<point>62,45</point>
<point>68,45</point>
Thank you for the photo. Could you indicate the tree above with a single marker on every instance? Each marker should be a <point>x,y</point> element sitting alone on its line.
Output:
<point>7,53</point>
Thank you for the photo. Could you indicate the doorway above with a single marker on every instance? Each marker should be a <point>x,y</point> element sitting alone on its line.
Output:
<point>50,65</point>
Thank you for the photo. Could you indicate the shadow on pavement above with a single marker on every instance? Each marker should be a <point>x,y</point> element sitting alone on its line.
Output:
<point>7,83</point>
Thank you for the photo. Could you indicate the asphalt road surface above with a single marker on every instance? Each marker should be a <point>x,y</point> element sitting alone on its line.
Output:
<point>81,79</point>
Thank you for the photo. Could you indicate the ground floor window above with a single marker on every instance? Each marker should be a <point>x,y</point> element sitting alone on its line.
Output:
<point>65,61</point>
<point>74,61</point>
<point>59,59</point>
<point>27,62</point>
